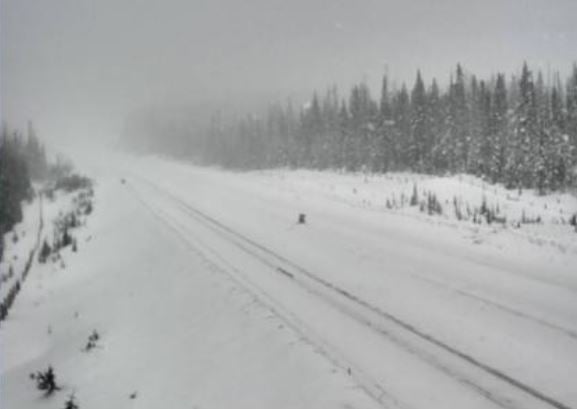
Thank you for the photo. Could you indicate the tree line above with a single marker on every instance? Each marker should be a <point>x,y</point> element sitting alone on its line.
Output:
<point>22,159</point>
<point>520,131</point>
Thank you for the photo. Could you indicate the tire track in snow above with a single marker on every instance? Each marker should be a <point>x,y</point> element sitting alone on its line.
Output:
<point>495,304</point>
<point>224,231</point>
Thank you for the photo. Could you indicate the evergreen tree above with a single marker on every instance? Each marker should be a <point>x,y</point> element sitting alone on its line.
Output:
<point>417,142</point>
<point>35,155</point>
<point>522,140</point>
<point>14,181</point>
<point>484,109</point>
<point>458,123</point>
<point>498,129</point>
<point>385,149</point>
<point>435,130</point>
<point>346,159</point>
<point>402,120</point>
<point>571,122</point>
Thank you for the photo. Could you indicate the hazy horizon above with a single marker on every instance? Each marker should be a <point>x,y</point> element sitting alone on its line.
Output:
<point>78,68</point>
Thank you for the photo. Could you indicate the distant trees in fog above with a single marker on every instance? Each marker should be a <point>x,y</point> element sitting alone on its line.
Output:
<point>21,159</point>
<point>522,131</point>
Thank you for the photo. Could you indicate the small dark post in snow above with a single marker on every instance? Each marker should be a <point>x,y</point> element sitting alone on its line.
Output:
<point>302,218</point>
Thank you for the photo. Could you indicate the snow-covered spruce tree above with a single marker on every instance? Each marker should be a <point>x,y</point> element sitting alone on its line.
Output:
<point>330,142</point>
<point>363,114</point>
<point>459,125</point>
<point>543,137</point>
<point>475,128</point>
<point>384,131</point>
<point>273,123</point>
<point>522,140</point>
<point>35,155</point>
<point>486,148</point>
<point>417,140</point>
<point>498,129</point>
<point>434,128</point>
<point>570,128</point>
<point>402,120</point>
<point>309,133</point>
<point>561,154</point>
<point>554,149</point>
<point>315,133</point>
<point>344,138</point>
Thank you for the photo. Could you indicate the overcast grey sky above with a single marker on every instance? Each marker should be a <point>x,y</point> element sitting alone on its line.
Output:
<point>76,67</point>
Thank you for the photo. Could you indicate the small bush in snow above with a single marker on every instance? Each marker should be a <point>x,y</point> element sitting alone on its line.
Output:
<point>573,221</point>
<point>72,182</point>
<point>414,197</point>
<point>458,213</point>
<point>88,208</point>
<point>44,252</point>
<point>500,219</point>
<point>422,206</point>
<point>92,341</point>
<point>71,403</point>
<point>45,381</point>
<point>529,220</point>
<point>66,238</point>
<point>433,205</point>
<point>487,212</point>
<point>302,218</point>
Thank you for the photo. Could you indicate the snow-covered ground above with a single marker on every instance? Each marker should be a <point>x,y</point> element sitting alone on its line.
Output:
<point>207,293</point>
<point>19,243</point>
<point>174,329</point>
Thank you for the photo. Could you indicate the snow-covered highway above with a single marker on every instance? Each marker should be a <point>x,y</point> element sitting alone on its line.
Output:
<point>208,293</point>
<point>420,318</point>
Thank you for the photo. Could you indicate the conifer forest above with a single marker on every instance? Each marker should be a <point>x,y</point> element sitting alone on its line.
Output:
<point>519,130</point>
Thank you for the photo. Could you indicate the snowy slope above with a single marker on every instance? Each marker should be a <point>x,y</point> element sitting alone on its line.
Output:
<point>174,328</point>
<point>19,243</point>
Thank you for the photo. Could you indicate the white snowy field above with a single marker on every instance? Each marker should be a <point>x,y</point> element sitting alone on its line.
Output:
<point>208,294</point>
